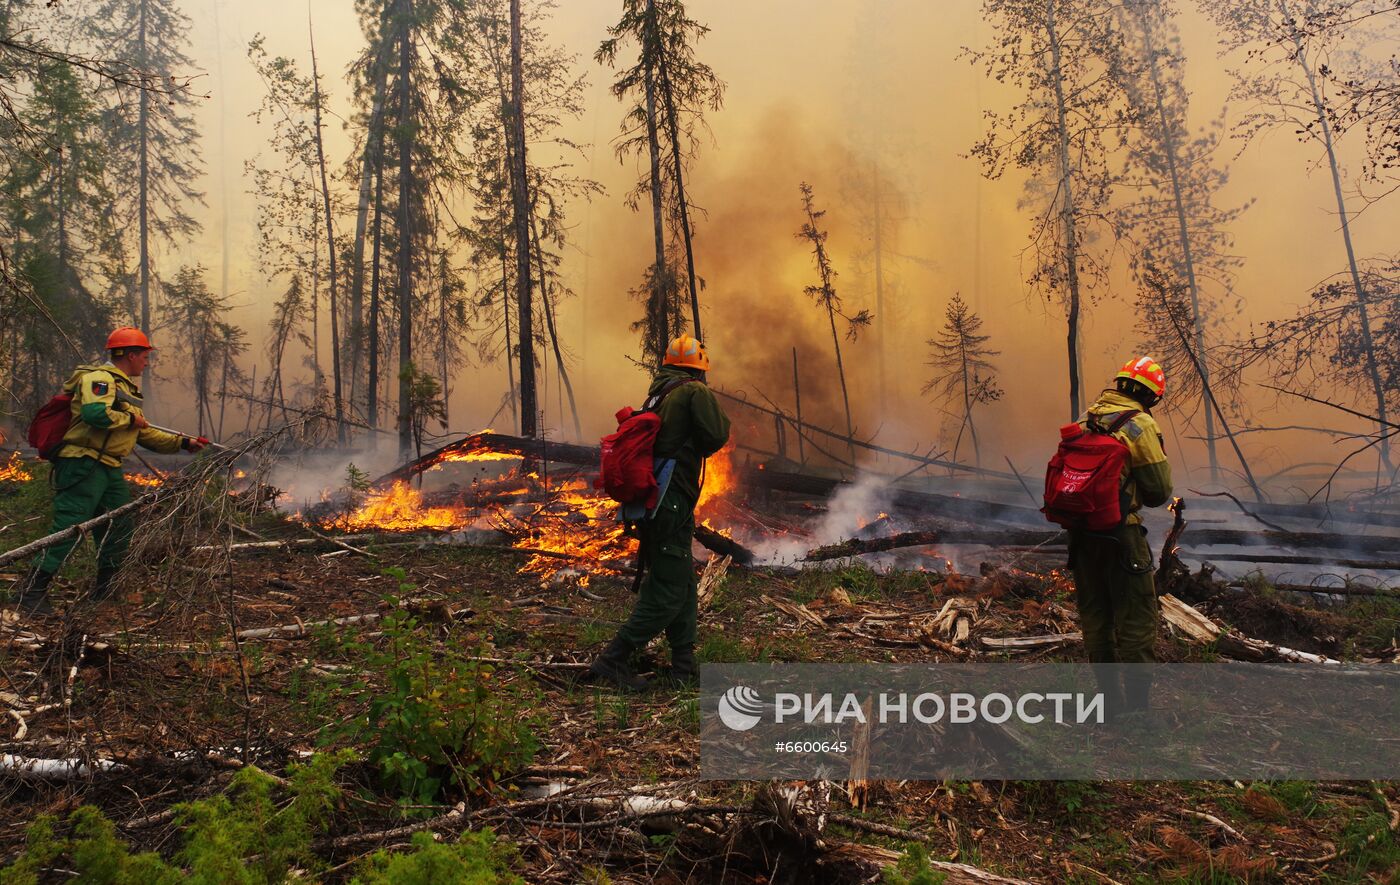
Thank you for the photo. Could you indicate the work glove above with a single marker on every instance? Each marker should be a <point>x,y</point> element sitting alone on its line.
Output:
<point>193,445</point>
<point>139,422</point>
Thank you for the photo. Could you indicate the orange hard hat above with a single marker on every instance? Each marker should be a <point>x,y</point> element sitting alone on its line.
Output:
<point>128,336</point>
<point>688,352</point>
<point>1145,371</point>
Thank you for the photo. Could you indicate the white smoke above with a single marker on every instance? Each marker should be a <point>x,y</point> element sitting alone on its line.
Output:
<point>853,506</point>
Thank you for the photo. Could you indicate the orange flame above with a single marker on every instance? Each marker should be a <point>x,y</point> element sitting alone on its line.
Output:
<point>721,478</point>
<point>14,471</point>
<point>144,479</point>
<point>400,508</point>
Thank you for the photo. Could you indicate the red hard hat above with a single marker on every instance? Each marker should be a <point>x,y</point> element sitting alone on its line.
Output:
<point>128,336</point>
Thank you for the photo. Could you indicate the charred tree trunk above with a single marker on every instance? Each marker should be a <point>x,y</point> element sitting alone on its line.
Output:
<point>660,277</point>
<point>369,161</point>
<point>372,377</point>
<point>406,132</point>
<point>143,122</point>
<point>682,203</point>
<point>330,245</point>
<point>520,200</point>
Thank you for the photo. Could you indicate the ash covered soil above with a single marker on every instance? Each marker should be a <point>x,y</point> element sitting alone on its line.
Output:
<point>609,791</point>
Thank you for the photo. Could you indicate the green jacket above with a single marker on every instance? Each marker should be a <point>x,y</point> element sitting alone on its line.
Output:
<point>101,430</point>
<point>693,427</point>
<point>1149,476</point>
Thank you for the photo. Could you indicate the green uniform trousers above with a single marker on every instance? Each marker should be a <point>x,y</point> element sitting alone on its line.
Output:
<point>666,601</point>
<point>1116,597</point>
<point>84,488</point>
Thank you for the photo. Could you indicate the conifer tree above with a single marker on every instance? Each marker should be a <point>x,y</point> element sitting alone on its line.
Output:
<point>962,368</point>
<point>670,91</point>
<point>152,140</point>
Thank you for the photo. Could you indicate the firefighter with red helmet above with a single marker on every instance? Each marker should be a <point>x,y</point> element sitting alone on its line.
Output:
<point>693,427</point>
<point>106,425</point>
<point>1113,570</point>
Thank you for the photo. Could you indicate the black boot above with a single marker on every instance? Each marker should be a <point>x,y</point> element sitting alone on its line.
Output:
<point>33,595</point>
<point>1107,678</point>
<point>1137,690</point>
<point>612,666</point>
<point>684,670</point>
<point>102,587</point>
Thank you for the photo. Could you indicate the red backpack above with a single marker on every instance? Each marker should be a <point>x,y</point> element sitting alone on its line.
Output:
<point>1084,479</point>
<point>50,424</point>
<point>626,456</point>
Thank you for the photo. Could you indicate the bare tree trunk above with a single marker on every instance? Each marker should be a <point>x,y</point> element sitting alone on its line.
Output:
<point>660,290</point>
<point>797,396</point>
<point>880,318</point>
<point>316,299</point>
<point>406,130</point>
<point>330,243</point>
<point>1067,218</point>
<point>510,355</point>
<point>553,333</point>
<point>60,194</point>
<point>374,144</point>
<point>1169,149</point>
<point>372,378</point>
<point>682,204</point>
<point>520,200</point>
<point>841,374</point>
<point>1367,341</point>
<point>143,210</point>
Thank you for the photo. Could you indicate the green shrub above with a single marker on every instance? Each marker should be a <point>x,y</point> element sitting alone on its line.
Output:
<point>474,860</point>
<point>913,869</point>
<point>239,836</point>
<point>440,716</point>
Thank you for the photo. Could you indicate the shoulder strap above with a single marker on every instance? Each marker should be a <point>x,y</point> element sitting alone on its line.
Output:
<point>654,402</point>
<point>1092,424</point>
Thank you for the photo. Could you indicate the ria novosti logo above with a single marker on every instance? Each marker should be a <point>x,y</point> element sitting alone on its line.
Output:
<point>740,708</point>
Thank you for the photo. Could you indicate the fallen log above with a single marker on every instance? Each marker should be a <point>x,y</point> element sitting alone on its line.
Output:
<point>862,546</point>
<point>722,544</point>
<point>1027,643</point>
<point>969,509</point>
<point>78,530</point>
<point>1199,628</point>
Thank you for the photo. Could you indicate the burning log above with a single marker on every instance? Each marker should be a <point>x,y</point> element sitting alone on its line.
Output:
<point>488,445</point>
<point>722,544</point>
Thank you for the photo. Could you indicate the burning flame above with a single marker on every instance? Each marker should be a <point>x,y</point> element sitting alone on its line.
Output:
<point>144,479</point>
<point>458,456</point>
<point>721,478</point>
<point>400,508</point>
<point>13,470</point>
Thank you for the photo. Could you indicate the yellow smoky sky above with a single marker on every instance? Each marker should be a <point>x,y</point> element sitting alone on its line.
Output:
<point>823,92</point>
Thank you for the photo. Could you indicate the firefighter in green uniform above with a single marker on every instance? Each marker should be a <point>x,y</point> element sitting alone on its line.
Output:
<point>693,427</point>
<point>87,477</point>
<point>1113,570</point>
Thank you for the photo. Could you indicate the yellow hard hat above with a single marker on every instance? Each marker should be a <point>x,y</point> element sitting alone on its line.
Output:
<point>688,352</point>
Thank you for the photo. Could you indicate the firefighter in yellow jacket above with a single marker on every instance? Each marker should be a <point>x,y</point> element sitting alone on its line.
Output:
<point>107,423</point>
<point>1113,570</point>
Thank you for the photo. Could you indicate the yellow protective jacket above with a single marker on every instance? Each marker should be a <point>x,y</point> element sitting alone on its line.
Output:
<point>104,401</point>
<point>1149,476</point>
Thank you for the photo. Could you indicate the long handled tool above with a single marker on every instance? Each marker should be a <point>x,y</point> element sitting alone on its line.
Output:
<point>181,433</point>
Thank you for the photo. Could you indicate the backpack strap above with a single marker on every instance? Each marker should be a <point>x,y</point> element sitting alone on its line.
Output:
<point>1118,423</point>
<point>654,402</point>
